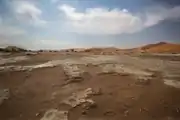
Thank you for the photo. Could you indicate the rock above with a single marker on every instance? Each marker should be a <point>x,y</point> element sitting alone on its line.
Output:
<point>72,70</point>
<point>126,113</point>
<point>172,83</point>
<point>54,114</point>
<point>109,113</point>
<point>98,91</point>
<point>93,105</point>
<point>37,114</point>
<point>84,112</point>
<point>178,110</point>
<point>31,53</point>
<point>143,110</point>
<point>88,106</point>
<point>4,95</point>
<point>73,80</point>
<point>143,81</point>
<point>80,97</point>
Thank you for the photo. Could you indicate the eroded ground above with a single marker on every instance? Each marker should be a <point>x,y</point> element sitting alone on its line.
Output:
<point>89,87</point>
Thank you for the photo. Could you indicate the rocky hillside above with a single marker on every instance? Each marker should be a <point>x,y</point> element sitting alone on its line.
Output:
<point>12,49</point>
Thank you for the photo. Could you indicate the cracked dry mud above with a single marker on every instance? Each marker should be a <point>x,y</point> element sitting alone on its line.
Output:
<point>113,88</point>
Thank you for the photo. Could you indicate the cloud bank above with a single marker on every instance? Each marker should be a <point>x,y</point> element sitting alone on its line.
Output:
<point>115,21</point>
<point>26,11</point>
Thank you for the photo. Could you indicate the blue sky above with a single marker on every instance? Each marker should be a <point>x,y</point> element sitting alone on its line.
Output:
<point>58,24</point>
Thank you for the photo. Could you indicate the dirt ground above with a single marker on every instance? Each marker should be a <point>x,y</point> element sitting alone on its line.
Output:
<point>129,88</point>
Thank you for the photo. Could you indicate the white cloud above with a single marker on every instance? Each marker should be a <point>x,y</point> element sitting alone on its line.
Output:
<point>101,20</point>
<point>10,31</point>
<point>0,20</point>
<point>156,14</point>
<point>52,44</point>
<point>54,1</point>
<point>114,21</point>
<point>9,35</point>
<point>28,12</point>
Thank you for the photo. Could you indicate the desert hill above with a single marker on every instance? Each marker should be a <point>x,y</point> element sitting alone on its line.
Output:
<point>161,47</point>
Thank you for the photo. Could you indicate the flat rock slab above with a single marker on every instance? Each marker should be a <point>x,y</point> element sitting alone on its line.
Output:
<point>54,114</point>
<point>80,98</point>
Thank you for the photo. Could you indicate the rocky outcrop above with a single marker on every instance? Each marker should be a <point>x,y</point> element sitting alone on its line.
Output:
<point>13,49</point>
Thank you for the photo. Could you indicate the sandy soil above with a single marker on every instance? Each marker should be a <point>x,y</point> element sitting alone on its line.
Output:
<point>122,87</point>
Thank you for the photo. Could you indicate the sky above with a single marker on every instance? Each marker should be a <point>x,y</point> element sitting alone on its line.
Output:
<point>61,24</point>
